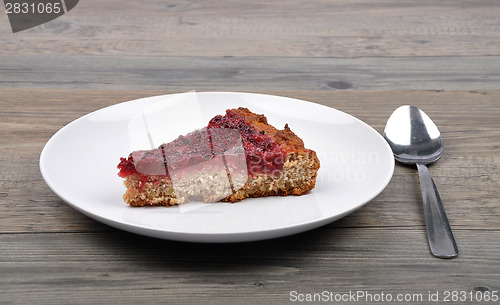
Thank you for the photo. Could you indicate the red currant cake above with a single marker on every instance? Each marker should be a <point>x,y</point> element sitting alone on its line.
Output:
<point>236,156</point>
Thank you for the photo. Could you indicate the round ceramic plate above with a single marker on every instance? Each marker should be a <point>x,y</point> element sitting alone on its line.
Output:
<point>79,163</point>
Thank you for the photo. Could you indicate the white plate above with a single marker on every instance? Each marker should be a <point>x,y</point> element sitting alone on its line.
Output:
<point>79,164</point>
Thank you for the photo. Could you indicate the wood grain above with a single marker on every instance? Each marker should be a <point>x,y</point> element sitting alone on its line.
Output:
<point>122,268</point>
<point>248,73</point>
<point>320,28</point>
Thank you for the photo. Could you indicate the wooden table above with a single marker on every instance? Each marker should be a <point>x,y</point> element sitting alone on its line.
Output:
<point>362,57</point>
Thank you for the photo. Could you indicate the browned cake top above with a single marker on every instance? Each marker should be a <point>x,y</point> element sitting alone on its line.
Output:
<point>286,138</point>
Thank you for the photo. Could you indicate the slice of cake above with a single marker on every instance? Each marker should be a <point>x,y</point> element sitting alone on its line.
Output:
<point>236,156</point>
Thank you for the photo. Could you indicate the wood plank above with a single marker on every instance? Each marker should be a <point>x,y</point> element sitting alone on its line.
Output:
<point>188,73</point>
<point>467,176</point>
<point>122,268</point>
<point>321,28</point>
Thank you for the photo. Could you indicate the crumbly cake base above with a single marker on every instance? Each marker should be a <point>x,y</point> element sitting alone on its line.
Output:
<point>297,177</point>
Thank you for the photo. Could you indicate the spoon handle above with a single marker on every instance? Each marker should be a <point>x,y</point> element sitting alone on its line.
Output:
<point>441,241</point>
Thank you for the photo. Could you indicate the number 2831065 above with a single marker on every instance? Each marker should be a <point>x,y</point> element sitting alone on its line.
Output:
<point>33,8</point>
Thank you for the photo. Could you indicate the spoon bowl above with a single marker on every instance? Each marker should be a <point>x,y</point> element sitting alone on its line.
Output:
<point>415,139</point>
<point>413,136</point>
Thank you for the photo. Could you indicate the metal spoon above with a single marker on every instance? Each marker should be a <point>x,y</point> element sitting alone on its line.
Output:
<point>415,139</point>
